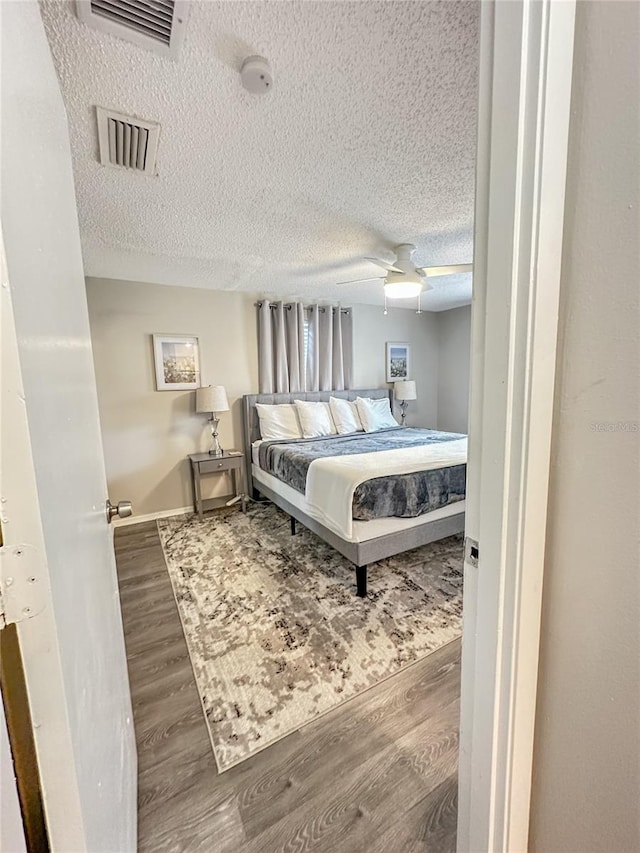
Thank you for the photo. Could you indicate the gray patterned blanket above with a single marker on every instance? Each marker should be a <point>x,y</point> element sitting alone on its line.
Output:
<point>402,495</point>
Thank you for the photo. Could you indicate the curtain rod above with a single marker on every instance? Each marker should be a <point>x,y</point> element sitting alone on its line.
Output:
<point>289,306</point>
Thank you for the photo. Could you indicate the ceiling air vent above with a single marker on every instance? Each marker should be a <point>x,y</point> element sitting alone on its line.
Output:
<point>130,143</point>
<point>153,24</point>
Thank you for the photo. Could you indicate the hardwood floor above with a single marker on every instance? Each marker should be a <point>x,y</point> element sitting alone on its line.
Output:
<point>377,774</point>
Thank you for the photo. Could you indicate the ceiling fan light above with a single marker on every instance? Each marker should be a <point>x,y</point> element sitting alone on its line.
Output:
<point>402,289</point>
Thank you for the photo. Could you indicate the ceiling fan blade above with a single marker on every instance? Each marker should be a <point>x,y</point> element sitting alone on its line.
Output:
<point>360,281</point>
<point>384,265</point>
<point>451,269</point>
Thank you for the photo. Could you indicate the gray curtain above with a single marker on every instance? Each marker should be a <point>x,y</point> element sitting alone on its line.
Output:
<point>342,346</point>
<point>294,325</point>
<point>281,362</point>
<point>280,350</point>
<point>347,348</point>
<point>281,347</point>
<point>324,352</point>
<point>266,380</point>
<point>283,367</point>
<point>313,361</point>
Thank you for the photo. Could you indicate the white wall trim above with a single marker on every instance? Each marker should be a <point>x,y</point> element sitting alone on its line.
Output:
<point>526,58</point>
<point>151,516</point>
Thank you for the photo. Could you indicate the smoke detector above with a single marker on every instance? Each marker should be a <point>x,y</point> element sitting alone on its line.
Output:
<point>256,75</point>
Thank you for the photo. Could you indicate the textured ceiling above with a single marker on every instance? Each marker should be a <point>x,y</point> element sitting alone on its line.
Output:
<point>366,140</point>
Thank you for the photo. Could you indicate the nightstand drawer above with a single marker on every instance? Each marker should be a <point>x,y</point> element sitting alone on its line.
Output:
<point>217,464</point>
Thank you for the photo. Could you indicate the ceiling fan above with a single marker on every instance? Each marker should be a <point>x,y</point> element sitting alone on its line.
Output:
<point>404,279</point>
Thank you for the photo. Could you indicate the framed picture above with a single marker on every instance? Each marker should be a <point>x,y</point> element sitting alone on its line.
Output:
<point>398,361</point>
<point>177,362</point>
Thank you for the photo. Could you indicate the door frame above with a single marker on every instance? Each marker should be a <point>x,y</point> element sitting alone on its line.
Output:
<point>526,56</point>
<point>526,63</point>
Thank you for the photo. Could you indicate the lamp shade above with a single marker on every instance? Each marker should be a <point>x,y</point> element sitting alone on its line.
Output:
<point>212,398</point>
<point>405,390</point>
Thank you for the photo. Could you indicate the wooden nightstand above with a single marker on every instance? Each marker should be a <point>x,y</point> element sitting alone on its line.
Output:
<point>205,463</point>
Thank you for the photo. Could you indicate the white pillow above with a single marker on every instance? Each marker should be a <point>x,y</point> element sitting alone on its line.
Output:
<point>345,415</point>
<point>278,421</point>
<point>375,414</point>
<point>315,418</point>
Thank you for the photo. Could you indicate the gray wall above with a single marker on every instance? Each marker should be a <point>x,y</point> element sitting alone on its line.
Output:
<point>371,330</point>
<point>454,354</point>
<point>586,790</point>
<point>147,434</point>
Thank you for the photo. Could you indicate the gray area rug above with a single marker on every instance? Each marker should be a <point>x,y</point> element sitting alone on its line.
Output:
<point>275,632</point>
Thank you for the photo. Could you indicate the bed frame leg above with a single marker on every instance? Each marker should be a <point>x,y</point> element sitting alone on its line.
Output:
<point>293,526</point>
<point>361,581</point>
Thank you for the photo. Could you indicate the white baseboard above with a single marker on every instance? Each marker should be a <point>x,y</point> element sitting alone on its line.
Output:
<point>151,516</point>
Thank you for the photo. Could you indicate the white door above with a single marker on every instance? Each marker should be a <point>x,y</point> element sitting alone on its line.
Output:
<point>52,477</point>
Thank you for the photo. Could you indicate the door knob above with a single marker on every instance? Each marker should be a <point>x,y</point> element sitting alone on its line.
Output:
<point>122,509</point>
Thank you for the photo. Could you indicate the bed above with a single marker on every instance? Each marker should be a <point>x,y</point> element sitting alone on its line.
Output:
<point>361,541</point>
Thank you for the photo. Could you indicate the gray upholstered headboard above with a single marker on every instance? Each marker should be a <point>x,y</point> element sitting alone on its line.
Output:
<point>252,425</point>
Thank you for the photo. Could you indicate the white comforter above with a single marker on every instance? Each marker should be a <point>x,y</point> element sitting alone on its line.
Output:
<point>331,482</point>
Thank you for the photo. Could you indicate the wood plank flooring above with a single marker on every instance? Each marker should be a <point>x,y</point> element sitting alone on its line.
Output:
<point>377,774</point>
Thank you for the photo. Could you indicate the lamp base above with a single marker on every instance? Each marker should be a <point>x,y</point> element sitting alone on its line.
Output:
<point>403,412</point>
<point>215,449</point>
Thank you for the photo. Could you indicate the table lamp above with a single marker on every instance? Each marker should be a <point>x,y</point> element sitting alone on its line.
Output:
<point>213,399</point>
<point>403,391</point>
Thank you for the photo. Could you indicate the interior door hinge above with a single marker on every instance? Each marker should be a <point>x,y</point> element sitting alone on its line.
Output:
<point>471,551</point>
<point>20,584</point>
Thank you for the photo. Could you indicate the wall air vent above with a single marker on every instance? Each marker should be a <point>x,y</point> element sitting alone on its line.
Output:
<point>130,143</point>
<point>156,25</point>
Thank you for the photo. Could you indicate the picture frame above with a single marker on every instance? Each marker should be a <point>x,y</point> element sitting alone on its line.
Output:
<point>177,362</point>
<point>398,360</point>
